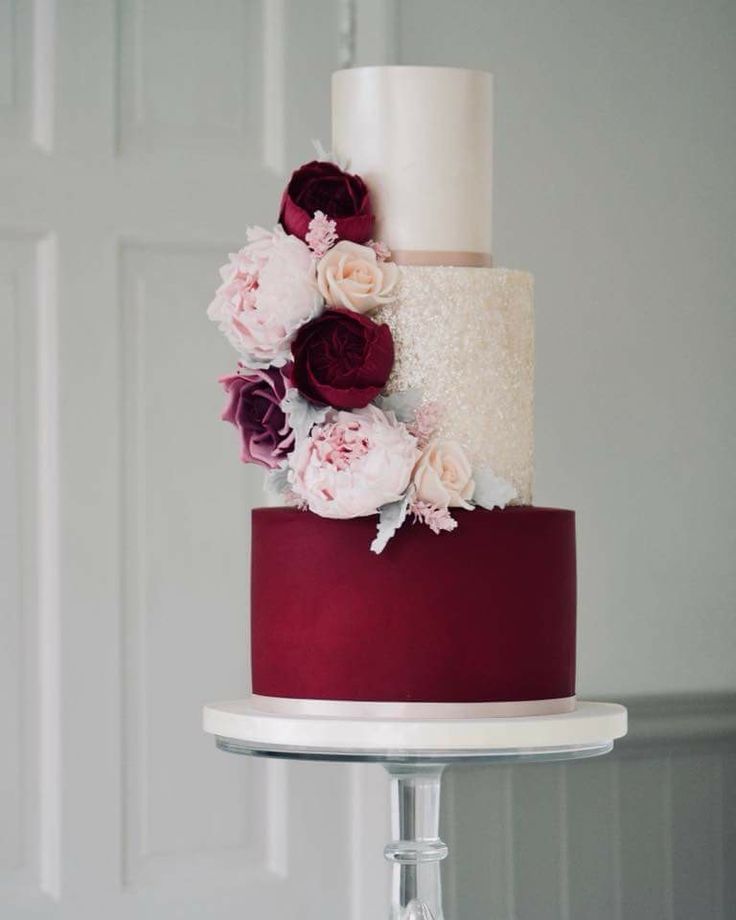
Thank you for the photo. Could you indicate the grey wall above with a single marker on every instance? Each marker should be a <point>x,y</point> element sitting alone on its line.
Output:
<point>645,833</point>
<point>615,183</point>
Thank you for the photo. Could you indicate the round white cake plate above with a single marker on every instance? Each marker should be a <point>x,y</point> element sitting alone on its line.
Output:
<point>415,753</point>
<point>590,729</point>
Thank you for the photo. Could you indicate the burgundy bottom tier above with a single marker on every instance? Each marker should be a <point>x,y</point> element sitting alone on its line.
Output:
<point>482,615</point>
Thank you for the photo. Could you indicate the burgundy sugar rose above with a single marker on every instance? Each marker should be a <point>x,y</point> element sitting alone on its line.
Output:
<point>319,186</point>
<point>343,359</point>
<point>254,409</point>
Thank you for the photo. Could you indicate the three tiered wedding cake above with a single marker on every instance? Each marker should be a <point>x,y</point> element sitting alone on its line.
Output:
<point>386,383</point>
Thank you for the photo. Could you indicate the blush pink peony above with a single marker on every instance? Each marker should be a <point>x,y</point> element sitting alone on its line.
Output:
<point>268,291</point>
<point>353,463</point>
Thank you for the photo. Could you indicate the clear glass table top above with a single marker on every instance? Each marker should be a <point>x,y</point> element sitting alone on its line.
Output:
<point>428,756</point>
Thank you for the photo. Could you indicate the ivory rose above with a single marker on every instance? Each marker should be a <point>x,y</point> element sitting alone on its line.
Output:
<point>269,290</point>
<point>351,276</point>
<point>353,463</point>
<point>443,476</point>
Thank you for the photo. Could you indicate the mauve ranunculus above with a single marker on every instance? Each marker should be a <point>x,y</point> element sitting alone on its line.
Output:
<point>342,359</point>
<point>323,186</point>
<point>255,410</point>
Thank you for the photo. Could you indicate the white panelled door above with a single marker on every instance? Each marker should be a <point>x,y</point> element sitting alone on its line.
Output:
<point>137,140</point>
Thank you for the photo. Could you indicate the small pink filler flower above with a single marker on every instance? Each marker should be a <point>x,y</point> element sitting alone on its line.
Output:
<point>321,235</point>
<point>424,424</point>
<point>383,253</point>
<point>437,519</point>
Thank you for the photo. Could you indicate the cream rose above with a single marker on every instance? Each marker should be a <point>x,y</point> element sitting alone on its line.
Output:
<point>351,276</point>
<point>443,476</point>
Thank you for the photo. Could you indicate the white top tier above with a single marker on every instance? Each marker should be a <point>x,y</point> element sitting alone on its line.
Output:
<point>421,137</point>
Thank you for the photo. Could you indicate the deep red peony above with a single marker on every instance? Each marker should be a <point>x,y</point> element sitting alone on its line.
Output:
<point>322,186</point>
<point>342,359</point>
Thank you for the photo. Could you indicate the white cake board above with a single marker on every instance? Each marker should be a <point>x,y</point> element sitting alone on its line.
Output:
<point>591,726</point>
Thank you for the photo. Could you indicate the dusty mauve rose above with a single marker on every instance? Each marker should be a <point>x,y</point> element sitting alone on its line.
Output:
<point>342,359</point>
<point>254,408</point>
<point>443,476</point>
<point>350,276</point>
<point>353,463</point>
<point>269,289</point>
<point>323,186</point>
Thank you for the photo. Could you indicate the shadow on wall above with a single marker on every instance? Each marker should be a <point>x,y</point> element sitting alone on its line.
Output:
<point>646,832</point>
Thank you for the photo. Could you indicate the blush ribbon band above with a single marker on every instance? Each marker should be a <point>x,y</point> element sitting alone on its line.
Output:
<point>440,257</point>
<point>356,709</point>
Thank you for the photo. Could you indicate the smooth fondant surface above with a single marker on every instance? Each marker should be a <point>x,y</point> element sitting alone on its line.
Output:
<point>485,613</point>
<point>421,138</point>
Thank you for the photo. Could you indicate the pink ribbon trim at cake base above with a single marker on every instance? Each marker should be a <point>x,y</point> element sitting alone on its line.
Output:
<point>356,709</point>
<point>440,257</point>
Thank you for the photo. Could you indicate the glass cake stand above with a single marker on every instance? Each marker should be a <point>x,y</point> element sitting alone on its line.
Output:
<point>415,753</point>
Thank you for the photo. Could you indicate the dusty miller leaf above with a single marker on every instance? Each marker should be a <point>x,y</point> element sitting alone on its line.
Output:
<point>276,482</point>
<point>302,414</point>
<point>491,491</point>
<point>403,404</point>
<point>390,518</point>
<point>327,156</point>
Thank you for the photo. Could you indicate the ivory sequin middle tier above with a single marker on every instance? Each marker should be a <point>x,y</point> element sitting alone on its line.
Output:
<point>465,338</point>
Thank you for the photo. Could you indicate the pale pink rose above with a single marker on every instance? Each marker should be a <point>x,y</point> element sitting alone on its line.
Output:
<point>350,275</point>
<point>268,291</point>
<point>353,463</point>
<point>443,477</point>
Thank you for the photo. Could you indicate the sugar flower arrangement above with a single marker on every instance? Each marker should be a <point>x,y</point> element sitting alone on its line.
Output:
<point>308,396</point>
